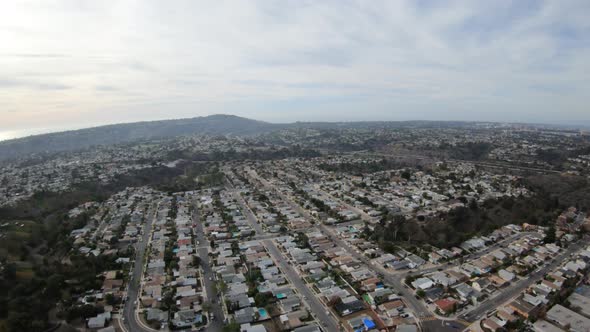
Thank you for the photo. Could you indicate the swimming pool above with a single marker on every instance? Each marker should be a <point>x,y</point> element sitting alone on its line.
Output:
<point>263,313</point>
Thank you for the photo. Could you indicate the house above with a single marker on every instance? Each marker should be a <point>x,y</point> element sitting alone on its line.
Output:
<point>361,323</point>
<point>99,321</point>
<point>422,283</point>
<point>308,328</point>
<point>544,326</point>
<point>186,318</point>
<point>111,285</point>
<point>491,324</point>
<point>567,318</point>
<point>415,261</point>
<point>434,257</point>
<point>508,276</point>
<point>523,308</point>
<point>459,276</point>
<point>506,315</point>
<point>463,290</point>
<point>580,304</point>
<point>249,328</point>
<point>434,293</point>
<point>347,308</point>
<point>290,304</point>
<point>156,315</point>
<point>245,315</point>
<point>497,281</point>
<point>107,329</point>
<point>446,306</point>
<point>481,284</point>
<point>443,279</point>
<point>392,308</point>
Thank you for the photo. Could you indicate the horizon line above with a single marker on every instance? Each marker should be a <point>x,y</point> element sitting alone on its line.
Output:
<point>33,132</point>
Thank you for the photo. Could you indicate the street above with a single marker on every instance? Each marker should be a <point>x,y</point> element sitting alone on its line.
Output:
<point>202,247</point>
<point>394,280</point>
<point>129,315</point>
<point>314,304</point>
<point>515,289</point>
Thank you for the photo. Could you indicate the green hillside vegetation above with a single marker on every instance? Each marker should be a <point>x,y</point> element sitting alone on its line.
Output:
<point>553,193</point>
<point>38,267</point>
<point>460,224</point>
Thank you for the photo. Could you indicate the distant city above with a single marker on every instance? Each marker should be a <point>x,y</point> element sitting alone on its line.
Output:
<point>223,223</point>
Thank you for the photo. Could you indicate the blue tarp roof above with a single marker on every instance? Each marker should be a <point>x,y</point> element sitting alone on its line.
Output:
<point>369,324</point>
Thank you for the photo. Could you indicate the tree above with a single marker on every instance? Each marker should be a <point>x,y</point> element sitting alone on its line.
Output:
<point>550,236</point>
<point>196,261</point>
<point>420,293</point>
<point>261,299</point>
<point>222,286</point>
<point>231,327</point>
<point>110,299</point>
<point>406,175</point>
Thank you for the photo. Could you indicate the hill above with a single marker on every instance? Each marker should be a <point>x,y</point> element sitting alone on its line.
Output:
<point>212,125</point>
<point>123,133</point>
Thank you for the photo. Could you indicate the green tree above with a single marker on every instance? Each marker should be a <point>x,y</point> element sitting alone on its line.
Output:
<point>550,235</point>
<point>110,299</point>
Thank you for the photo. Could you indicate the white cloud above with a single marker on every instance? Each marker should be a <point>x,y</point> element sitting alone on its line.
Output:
<point>85,63</point>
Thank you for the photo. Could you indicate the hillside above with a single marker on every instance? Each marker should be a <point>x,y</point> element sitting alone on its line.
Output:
<point>212,125</point>
<point>122,133</point>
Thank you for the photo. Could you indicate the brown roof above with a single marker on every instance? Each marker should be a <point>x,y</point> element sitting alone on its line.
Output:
<point>189,300</point>
<point>446,305</point>
<point>393,304</point>
<point>112,284</point>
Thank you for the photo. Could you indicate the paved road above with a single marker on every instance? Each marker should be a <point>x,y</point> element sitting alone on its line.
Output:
<point>313,303</point>
<point>414,304</point>
<point>363,215</point>
<point>131,320</point>
<point>516,288</point>
<point>471,257</point>
<point>315,306</point>
<point>208,273</point>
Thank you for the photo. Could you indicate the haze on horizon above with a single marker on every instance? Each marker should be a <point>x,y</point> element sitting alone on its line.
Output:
<point>68,64</point>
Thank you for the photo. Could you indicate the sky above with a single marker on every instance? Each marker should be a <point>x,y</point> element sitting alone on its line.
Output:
<point>68,64</point>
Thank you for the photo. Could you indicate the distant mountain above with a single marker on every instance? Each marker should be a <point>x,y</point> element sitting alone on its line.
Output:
<point>212,125</point>
<point>123,133</point>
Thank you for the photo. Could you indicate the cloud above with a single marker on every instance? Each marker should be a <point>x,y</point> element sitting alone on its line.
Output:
<point>296,60</point>
<point>32,85</point>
